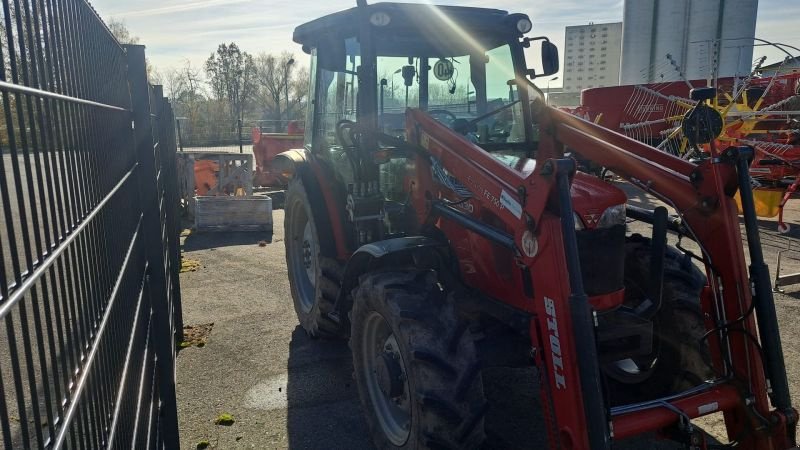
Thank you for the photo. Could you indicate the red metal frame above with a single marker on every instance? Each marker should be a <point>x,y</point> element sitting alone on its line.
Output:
<point>609,107</point>
<point>702,194</point>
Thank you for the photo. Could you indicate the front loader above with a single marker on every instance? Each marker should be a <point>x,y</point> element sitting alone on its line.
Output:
<point>436,219</point>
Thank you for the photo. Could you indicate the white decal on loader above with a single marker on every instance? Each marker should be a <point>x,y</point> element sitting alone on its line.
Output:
<point>510,204</point>
<point>555,343</point>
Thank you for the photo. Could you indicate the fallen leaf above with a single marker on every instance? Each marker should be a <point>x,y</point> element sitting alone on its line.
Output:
<point>224,419</point>
<point>189,265</point>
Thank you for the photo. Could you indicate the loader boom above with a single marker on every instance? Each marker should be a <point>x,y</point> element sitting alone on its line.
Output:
<point>701,195</point>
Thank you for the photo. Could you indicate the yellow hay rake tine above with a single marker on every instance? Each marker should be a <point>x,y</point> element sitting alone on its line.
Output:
<point>758,103</point>
<point>674,133</point>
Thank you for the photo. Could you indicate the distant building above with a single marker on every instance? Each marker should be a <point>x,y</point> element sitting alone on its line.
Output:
<point>781,68</point>
<point>570,99</point>
<point>591,56</point>
<point>686,39</point>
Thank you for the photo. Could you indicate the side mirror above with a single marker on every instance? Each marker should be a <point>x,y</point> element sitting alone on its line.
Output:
<point>549,58</point>
<point>331,55</point>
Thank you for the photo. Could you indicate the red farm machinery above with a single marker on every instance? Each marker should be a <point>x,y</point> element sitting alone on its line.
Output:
<point>435,219</point>
<point>266,146</point>
<point>762,112</point>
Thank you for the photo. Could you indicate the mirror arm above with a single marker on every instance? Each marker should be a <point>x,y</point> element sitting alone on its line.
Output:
<point>526,42</point>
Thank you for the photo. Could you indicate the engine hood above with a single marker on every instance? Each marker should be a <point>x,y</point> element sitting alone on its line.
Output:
<point>591,196</point>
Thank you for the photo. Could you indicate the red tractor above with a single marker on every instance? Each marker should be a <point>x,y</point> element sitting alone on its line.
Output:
<point>436,220</point>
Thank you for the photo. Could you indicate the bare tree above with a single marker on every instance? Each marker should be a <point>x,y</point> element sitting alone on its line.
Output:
<point>120,31</point>
<point>299,88</point>
<point>183,84</point>
<point>192,93</point>
<point>274,76</point>
<point>173,82</point>
<point>231,74</point>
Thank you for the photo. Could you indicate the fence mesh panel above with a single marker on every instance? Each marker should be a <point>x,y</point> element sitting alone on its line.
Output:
<point>78,306</point>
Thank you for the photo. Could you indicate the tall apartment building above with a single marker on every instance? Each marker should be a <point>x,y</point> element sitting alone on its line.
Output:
<point>591,56</point>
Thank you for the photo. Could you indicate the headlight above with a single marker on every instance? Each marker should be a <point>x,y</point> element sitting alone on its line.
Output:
<point>578,222</point>
<point>524,25</point>
<point>613,215</point>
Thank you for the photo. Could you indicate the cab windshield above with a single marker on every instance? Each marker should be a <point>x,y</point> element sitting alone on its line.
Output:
<point>475,94</point>
<point>471,88</point>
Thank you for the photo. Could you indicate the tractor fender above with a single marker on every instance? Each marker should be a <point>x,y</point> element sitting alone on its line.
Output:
<point>373,255</point>
<point>297,163</point>
<point>288,161</point>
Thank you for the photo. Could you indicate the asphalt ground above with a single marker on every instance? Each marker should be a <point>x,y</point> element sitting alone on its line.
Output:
<point>285,390</point>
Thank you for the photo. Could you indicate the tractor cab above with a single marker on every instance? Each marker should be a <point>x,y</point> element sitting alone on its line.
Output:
<point>464,66</point>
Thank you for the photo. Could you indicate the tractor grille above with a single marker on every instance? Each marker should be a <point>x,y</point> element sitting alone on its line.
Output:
<point>602,253</point>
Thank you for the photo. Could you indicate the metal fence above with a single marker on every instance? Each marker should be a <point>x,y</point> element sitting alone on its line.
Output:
<point>226,136</point>
<point>218,136</point>
<point>89,294</point>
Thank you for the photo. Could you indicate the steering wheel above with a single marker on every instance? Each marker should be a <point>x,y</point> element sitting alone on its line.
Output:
<point>443,112</point>
<point>349,127</point>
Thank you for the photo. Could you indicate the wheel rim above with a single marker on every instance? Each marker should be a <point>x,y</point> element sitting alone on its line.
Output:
<point>303,257</point>
<point>385,377</point>
<point>309,262</point>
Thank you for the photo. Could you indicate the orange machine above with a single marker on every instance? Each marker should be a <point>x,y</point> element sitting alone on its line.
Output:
<point>268,145</point>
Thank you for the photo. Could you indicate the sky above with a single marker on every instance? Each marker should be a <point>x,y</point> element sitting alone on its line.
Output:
<point>177,31</point>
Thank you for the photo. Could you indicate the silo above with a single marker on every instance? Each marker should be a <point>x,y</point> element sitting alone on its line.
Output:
<point>704,23</point>
<point>736,47</point>
<point>637,38</point>
<point>670,32</point>
<point>700,36</point>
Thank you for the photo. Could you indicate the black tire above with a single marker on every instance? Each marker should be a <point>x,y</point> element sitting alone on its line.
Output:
<point>442,390</point>
<point>680,358</point>
<point>314,290</point>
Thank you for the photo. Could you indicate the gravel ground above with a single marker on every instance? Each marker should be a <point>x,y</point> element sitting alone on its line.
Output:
<point>285,390</point>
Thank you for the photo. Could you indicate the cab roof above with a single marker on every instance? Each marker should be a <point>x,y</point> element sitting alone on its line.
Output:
<point>410,20</point>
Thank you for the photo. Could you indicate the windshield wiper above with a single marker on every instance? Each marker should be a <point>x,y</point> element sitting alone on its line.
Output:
<point>493,112</point>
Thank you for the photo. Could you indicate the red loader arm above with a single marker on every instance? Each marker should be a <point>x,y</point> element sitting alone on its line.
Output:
<point>527,206</point>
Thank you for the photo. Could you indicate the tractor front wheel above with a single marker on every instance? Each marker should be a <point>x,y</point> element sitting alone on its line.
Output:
<point>313,276</point>
<point>415,364</point>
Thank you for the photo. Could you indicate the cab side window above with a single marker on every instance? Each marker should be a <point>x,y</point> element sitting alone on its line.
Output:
<point>335,100</point>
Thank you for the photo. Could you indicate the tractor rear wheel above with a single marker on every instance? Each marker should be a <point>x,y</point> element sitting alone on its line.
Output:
<point>680,358</point>
<point>415,364</point>
<point>313,276</point>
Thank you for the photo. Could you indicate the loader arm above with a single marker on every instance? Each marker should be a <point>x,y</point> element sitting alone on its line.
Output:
<point>495,185</point>
<point>702,196</point>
